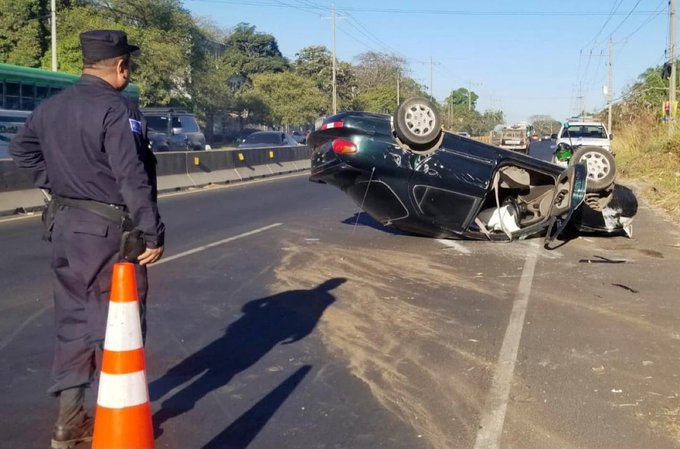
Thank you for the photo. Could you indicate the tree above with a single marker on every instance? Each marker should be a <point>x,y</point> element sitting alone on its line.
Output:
<point>23,34</point>
<point>316,62</point>
<point>374,69</point>
<point>377,76</point>
<point>162,67</point>
<point>649,91</point>
<point>489,120</point>
<point>290,99</point>
<point>462,99</point>
<point>380,99</point>
<point>249,52</point>
<point>163,15</point>
<point>461,113</point>
<point>544,124</point>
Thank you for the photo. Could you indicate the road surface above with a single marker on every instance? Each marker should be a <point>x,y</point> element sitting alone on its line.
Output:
<point>281,317</point>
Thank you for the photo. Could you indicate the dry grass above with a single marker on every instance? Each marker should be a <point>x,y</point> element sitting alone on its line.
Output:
<point>645,153</point>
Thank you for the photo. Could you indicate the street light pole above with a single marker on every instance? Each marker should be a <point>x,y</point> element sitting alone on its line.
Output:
<point>53,22</point>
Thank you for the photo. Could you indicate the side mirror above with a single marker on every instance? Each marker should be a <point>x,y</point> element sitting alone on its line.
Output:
<point>553,136</point>
<point>611,136</point>
<point>176,131</point>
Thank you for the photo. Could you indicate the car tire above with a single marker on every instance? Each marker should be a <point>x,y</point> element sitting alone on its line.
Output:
<point>600,165</point>
<point>417,122</point>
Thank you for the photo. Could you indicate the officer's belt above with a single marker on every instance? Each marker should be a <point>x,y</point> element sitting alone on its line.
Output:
<point>108,211</point>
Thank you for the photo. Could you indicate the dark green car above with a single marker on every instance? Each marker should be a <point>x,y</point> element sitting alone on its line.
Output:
<point>404,171</point>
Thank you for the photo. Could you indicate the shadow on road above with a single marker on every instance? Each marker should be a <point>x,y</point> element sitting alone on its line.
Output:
<point>363,219</point>
<point>242,431</point>
<point>282,318</point>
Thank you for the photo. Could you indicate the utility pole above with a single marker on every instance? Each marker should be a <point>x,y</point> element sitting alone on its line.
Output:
<point>335,100</point>
<point>398,78</point>
<point>580,100</point>
<point>53,23</point>
<point>672,80</point>
<point>610,85</point>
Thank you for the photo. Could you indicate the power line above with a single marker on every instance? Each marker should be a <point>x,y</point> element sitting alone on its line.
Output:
<point>615,7</point>
<point>523,13</point>
<point>645,23</point>
<point>626,18</point>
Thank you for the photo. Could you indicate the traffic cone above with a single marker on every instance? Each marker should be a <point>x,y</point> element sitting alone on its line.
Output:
<point>123,416</point>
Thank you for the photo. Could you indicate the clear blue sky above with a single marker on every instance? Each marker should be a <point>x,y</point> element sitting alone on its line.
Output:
<point>523,57</point>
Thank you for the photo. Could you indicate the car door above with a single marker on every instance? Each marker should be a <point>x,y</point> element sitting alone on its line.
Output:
<point>449,185</point>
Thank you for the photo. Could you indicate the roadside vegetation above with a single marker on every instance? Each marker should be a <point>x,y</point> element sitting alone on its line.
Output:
<point>231,78</point>
<point>645,151</point>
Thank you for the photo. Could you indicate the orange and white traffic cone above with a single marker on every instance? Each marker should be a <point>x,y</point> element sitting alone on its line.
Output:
<point>123,416</point>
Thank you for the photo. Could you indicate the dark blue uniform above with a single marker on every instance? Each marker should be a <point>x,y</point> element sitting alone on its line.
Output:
<point>89,142</point>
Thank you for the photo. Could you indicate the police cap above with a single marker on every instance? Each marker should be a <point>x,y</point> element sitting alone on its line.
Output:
<point>98,45</point>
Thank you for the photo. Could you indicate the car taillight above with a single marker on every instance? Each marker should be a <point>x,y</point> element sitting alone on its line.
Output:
<point>332,125</point>
<point>342,146</point>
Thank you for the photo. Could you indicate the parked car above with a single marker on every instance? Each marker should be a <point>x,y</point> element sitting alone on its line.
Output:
<point>10,122</point>
<point>299,137</point>
<point>404,171</point>
<point>268,139</point>
<point>172,129</point>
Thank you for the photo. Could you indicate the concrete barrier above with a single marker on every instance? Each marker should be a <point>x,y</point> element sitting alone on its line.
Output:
<point>175,170</point>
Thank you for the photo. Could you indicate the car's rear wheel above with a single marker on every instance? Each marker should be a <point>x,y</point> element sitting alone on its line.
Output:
<point>416,122</point>
<point>600,164</point>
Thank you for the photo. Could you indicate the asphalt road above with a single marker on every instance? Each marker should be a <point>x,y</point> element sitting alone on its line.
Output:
<point>306,325</point>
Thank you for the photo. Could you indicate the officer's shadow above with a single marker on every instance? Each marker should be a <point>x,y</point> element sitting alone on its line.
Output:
<point>282,318</point>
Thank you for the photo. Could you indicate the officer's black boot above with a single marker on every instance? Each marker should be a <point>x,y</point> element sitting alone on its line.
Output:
<point>73,426</point>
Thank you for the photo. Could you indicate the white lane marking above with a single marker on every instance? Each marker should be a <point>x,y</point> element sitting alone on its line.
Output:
<point>9,338</point>
<point>493,417</point>
<point>455,245</point>
<point>213,244</point>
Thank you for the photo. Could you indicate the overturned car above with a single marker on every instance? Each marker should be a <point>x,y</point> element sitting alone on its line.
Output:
<point>405,171</point>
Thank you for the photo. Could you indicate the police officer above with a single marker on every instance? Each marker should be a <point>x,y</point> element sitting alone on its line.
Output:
<point>88,147</point>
